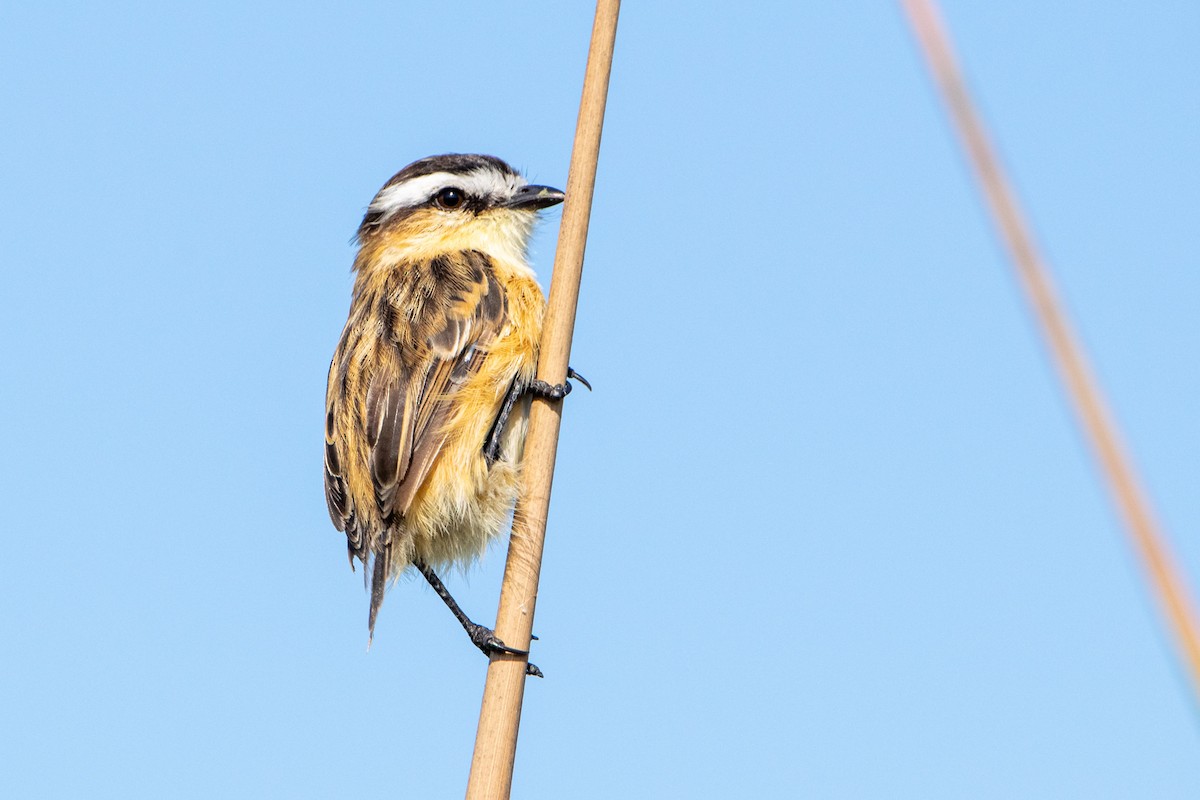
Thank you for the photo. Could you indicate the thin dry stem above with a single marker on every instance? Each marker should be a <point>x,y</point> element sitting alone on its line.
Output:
<point>500,712</point>
<point>1166,581</point>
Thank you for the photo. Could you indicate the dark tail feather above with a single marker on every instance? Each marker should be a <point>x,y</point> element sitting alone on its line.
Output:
<point>383,562</point>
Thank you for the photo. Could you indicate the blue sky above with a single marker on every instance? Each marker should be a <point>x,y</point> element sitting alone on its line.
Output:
<point>825,527</point>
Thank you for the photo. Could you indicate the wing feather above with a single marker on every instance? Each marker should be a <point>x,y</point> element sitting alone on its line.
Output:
<point>337,496</point>
<point>464,310</point>
<point>410,344</point>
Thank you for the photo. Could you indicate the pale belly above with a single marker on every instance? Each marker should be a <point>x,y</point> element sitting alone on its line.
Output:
<point>464,503</point>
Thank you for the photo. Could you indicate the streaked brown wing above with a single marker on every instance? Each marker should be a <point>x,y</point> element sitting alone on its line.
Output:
<point>462,310</point>
<point>338,452</point>
<point>337,498</point>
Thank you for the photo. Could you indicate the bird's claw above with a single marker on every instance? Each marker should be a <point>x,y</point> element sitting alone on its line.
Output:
<point>573,375</point>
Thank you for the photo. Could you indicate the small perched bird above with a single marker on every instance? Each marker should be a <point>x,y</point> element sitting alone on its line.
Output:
<point>430,384</point>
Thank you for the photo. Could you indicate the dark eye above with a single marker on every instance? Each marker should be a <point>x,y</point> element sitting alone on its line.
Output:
<point>449,198</point>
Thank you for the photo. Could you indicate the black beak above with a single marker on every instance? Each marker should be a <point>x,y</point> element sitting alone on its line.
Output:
<point>536,197</point>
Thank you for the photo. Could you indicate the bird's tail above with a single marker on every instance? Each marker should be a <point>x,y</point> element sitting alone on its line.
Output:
<point>379,579</point>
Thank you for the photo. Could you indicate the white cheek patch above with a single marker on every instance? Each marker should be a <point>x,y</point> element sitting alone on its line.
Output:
<point>483,182</point>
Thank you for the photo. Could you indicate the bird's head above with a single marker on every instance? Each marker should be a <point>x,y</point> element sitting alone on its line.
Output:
<point>454,202</point>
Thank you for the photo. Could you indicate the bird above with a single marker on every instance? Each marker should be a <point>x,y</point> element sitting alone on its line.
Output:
<point>431,381</point>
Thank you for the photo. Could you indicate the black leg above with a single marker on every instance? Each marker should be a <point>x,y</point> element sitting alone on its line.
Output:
<point>491,447</point>
<point>483,638</point>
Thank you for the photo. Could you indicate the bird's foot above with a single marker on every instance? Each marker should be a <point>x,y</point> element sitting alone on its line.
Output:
<point>556,391</point>
<point>488,642</point>
<point>550,391</point>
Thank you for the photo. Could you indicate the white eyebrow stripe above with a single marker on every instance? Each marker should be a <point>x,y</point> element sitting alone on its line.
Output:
<point>482,182</point>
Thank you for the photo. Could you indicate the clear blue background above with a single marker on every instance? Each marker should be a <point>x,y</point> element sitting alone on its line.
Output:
<point>824,529</point>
